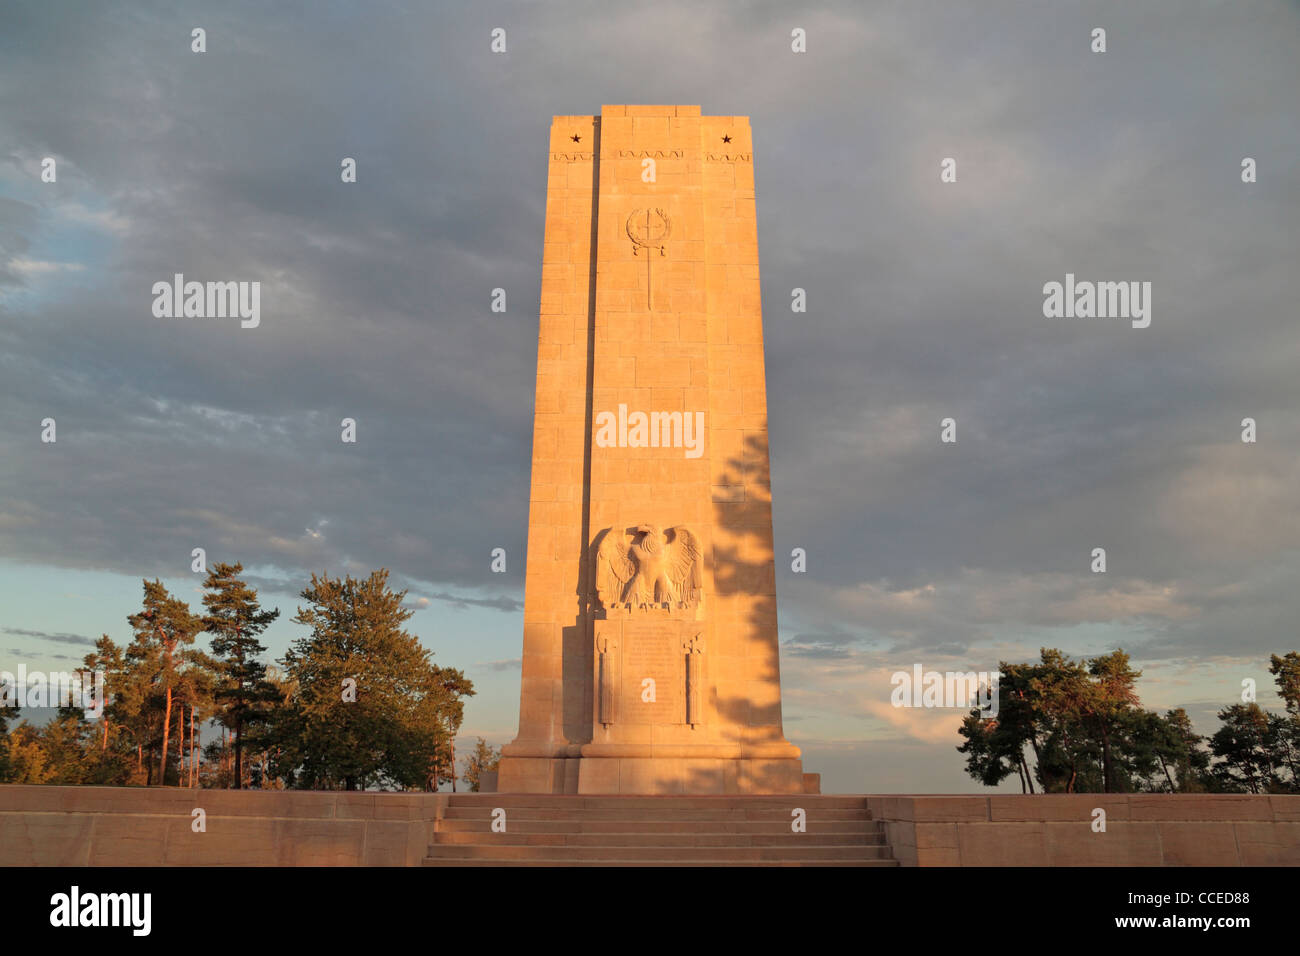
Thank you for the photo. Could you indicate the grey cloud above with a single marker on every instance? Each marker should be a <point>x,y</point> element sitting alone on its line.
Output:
<point>499,603</point>
<point>47,636</point>
<point>835,645</point>
<point>20,653</point>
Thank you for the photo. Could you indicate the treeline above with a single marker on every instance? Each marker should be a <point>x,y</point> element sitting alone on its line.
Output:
<point>355,703</point>
<point>1078,727</point>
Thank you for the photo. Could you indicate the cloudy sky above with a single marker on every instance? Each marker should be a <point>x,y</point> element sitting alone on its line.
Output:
<point>924,301</point>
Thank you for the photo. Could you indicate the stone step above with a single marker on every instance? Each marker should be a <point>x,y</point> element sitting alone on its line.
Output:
<point>483,824</point>
<point>482,838</point>
<point>694,802</point>
<point>669,830</point>
<point>455,812</point>
<point>647,853</point>
<point>656,863</point>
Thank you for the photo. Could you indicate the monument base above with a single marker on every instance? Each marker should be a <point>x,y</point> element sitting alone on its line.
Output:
<point>655,775</point>
<point>651,775</point>
<point>536,774</point>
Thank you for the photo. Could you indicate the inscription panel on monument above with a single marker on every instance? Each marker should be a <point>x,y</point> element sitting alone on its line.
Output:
<point>652,649</point>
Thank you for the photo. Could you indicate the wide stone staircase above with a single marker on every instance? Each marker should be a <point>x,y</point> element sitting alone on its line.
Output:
<point>724,830</point>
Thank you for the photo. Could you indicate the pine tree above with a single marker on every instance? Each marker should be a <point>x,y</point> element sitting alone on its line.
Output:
<point>1111,699</point>
<point>163,629</point>
<point>1082,723</point>
<point>236,620</point>
<point>129,720</point>
<point>107,657</point>
<point>1243,746</point>
<point>1163,753</point>
<point>1286,672</point>
<point>5,714</point>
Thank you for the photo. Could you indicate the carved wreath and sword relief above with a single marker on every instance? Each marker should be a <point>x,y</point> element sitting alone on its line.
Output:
<point>643,566</point>
<point>648,229</point>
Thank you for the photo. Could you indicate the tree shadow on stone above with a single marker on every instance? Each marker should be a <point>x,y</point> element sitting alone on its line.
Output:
<point>744,566</point>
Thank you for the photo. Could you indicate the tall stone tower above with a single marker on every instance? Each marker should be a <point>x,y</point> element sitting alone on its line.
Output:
<point>650,642</point>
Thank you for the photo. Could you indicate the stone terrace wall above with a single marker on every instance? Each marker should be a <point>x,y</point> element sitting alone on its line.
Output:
<point>1056,830</point>
<point>96,826</point>
<point>129,826</point>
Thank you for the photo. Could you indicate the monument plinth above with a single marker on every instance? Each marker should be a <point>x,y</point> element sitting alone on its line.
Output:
<point>650,644</point>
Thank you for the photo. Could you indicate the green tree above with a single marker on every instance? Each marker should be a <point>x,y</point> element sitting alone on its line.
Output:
<point>1110,700</point>
<point>995,747</point>
<point>1085,729</point>
<point>130,719</point>
<point>27,762</point>
<point>107,657</point>
<point>164,628</point>
<point>368,706</point>
<point>1067,760</point>
<point>482,759</point>
<point>115,742</point>
<point>63,743</point>
<point>1257,751</point>
<point>5,714</point>
<point>1286,730</point>
<point>236,621</point>
<point>1284,742</point>
<point>1166,755</point>
<point>1243,747</point>
<point>1286,672</point>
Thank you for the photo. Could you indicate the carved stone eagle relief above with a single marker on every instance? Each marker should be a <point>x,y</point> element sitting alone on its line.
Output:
<point>643,566</point>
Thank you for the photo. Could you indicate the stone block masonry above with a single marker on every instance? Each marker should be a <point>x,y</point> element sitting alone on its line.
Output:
<point>650,321</point>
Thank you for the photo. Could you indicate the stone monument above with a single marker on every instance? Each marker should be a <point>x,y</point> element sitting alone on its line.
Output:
<point>650,641</point>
